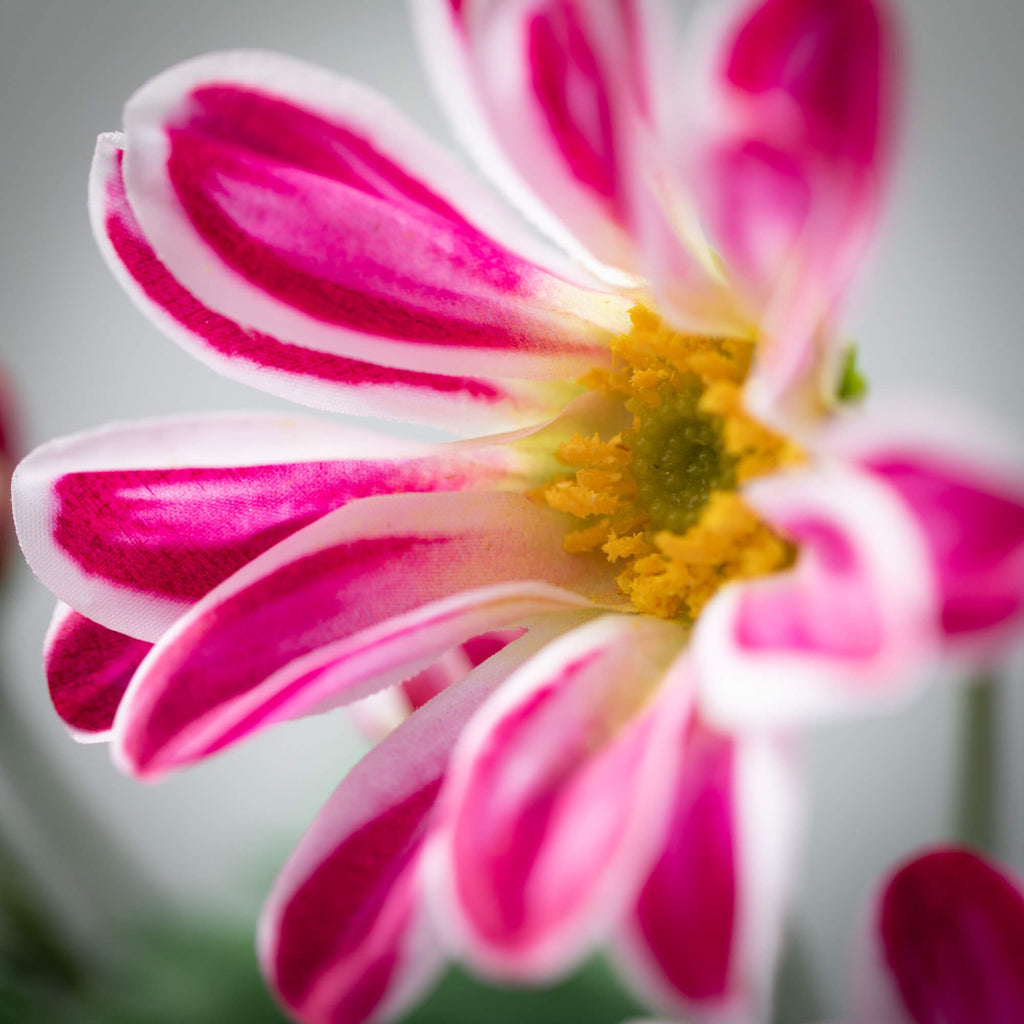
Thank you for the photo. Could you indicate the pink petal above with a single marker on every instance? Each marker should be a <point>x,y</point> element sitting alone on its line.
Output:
<point>132,524</point>
<point>542,837</point>
<point>285,199</point>
<point>848,627</point>
<point>703,939</point>
<point>88,668</point>
<point>948,945</point>
<point>359,600</point>
<point>552,97</point>
<point>343,935</point>
<point>466,405</point>
<point>381,712</point>
<point>788,154</point>
<point>972,518</point>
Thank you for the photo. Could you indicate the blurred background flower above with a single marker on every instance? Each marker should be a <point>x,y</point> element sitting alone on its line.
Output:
<point>940,308</point>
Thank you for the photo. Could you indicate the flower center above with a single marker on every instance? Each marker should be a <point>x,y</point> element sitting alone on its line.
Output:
<point>661,495</point>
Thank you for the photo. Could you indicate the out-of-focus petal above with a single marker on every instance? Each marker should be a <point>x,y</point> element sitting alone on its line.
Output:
<point>381,712</point>
<point>359,600</point>
<point>132,524</point>
<point>946,944</point>
<point>786,148</point>
<point>972,516</point>
<point>305,207</point>
<point>554,98</point>
<point>961,477</point>
<point>542,839</point>
<point>464,405</point>
<point>344,936</point>
<point>88,668</point>
<point>703,939</point>
<point>848,627</point>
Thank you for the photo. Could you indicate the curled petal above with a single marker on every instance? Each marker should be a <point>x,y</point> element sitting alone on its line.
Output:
<point>88,668</point>
<point>359,600</point>
<point>552,98</point>
<point>849,626</point>
<point>467,405</point>
<point>305,207</point>
<point>704,936</point>
<point>946,944</point>
<point>542,836</point>
<point>787,151</point>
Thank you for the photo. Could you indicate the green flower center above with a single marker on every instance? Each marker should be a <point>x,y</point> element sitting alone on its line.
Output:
<point>679,458</point>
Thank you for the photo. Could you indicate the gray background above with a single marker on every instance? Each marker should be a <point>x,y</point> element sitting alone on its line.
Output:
<point>940,309</point>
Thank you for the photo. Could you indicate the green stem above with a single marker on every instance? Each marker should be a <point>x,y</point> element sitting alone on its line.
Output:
<point>975,822</point>
<point>796,995</point>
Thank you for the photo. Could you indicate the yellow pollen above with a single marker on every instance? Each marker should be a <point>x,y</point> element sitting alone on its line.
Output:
<point>661,496</point>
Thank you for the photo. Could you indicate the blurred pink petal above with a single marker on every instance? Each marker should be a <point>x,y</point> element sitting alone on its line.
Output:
<point>708,922</point>
<point>947,944</point>
<point>850,626</point>
<point>793,104</point>
<point>559,754</point>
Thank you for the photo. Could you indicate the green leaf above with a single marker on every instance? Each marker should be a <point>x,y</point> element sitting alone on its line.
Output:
<point>853,385</point>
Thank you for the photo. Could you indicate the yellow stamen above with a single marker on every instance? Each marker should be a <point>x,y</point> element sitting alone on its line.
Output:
<point>664,490</point>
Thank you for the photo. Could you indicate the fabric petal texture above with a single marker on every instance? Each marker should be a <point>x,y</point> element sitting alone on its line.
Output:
<point>132,524</point>
<point>381,712</point>
<point>947,944</point>
<point>466,405</point>
<point>346,606</point>
<point>88,668</point>
<point>284,198</point>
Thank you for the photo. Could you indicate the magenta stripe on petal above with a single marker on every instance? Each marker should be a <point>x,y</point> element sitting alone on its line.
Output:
<point>479,648</point>
<point>285,615</point>
<point>545,839</point>
<point>827,56</point>
<point>976,537</point>
<point>836,615</point>
<point>330,916</point>
<point>234,348</point>
<point>293,618</point>
<point>180,532</point>
<point>569,87</point>
<point>686,912</point>
<point>343,934</point>
<point>307,212</point>
<point>88,668</point>
<point>952,933</point>
<point>337,670</point>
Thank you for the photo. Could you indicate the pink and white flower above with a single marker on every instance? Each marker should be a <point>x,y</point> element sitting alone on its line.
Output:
<point>222,574</point>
